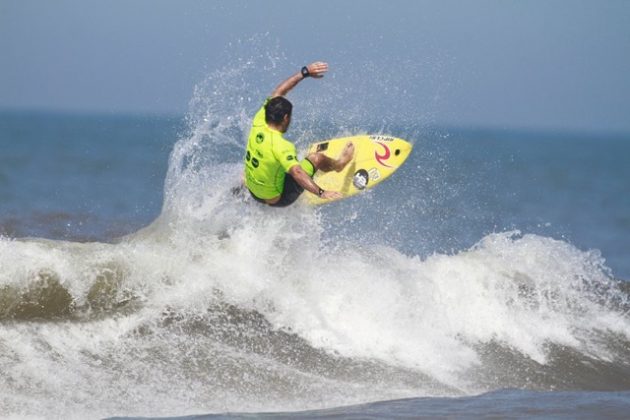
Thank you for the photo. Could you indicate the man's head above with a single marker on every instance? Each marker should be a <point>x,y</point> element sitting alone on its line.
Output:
<point>278,113</point>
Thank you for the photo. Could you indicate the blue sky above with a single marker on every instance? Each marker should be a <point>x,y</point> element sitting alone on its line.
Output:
<point>559,64</point>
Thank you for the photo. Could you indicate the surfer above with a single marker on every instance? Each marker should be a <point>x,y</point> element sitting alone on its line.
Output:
<point>273,174</point>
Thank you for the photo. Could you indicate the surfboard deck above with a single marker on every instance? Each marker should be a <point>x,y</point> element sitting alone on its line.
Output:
<point>376,158</point>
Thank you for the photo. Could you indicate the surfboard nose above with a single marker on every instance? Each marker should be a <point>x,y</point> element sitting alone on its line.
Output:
<point>396,152</point>
<point>403,148</point>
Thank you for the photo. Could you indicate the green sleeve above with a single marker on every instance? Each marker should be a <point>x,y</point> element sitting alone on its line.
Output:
<point>285,154</point>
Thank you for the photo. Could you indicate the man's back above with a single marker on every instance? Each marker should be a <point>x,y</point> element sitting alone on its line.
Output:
<point>268,158</point>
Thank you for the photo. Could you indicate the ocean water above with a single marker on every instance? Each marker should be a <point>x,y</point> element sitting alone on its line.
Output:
<point>485,278</point>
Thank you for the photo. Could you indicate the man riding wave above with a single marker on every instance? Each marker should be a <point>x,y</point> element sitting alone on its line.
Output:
<point>273,174</point>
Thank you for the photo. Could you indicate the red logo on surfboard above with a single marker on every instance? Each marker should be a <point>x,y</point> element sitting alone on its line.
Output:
<point>381,158</point>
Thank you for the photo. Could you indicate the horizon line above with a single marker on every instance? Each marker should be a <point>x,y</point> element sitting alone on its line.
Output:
<point>443,125</point>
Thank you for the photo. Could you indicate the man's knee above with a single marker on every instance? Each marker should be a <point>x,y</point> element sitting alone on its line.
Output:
<point>320,161</point>
<point>315,159</point>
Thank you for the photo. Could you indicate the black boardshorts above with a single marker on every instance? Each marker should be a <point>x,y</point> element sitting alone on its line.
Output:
<point>292,190</point>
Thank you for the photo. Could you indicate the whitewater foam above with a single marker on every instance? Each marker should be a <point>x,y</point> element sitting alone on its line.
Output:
<point>222,304</point>
<point>427,317</point>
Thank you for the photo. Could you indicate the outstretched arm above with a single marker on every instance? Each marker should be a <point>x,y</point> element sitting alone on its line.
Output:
<point>316,70</point>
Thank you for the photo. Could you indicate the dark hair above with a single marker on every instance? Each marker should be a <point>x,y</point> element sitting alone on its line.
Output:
<point>276,109</point>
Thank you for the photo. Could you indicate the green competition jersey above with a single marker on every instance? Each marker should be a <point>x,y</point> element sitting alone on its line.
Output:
<point>268,158</point>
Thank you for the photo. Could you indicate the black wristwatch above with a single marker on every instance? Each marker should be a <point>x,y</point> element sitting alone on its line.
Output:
<point>305,72</point>
<point>320,192</point>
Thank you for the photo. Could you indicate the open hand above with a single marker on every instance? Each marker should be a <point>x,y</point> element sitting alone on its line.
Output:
<point>317,69</point>
<point>331,195</point>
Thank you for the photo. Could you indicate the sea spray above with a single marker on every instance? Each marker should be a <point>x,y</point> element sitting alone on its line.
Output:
<point>222,304</point>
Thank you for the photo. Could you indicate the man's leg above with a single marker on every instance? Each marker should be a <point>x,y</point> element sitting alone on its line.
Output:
<point>292,191</point>
<point>313,162</point>
<point>321,162</point>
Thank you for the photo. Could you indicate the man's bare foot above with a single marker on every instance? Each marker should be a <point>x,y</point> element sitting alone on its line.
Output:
<point>346,156</point>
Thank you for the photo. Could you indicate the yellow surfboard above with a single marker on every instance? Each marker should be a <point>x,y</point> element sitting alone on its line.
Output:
<point>376,157</point>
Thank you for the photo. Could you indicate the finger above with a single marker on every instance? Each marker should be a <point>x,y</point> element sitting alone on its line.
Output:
<point>317,72</point>
<point>318,67</point>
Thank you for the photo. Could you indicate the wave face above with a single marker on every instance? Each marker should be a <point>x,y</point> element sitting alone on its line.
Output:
<point>224,305</point>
